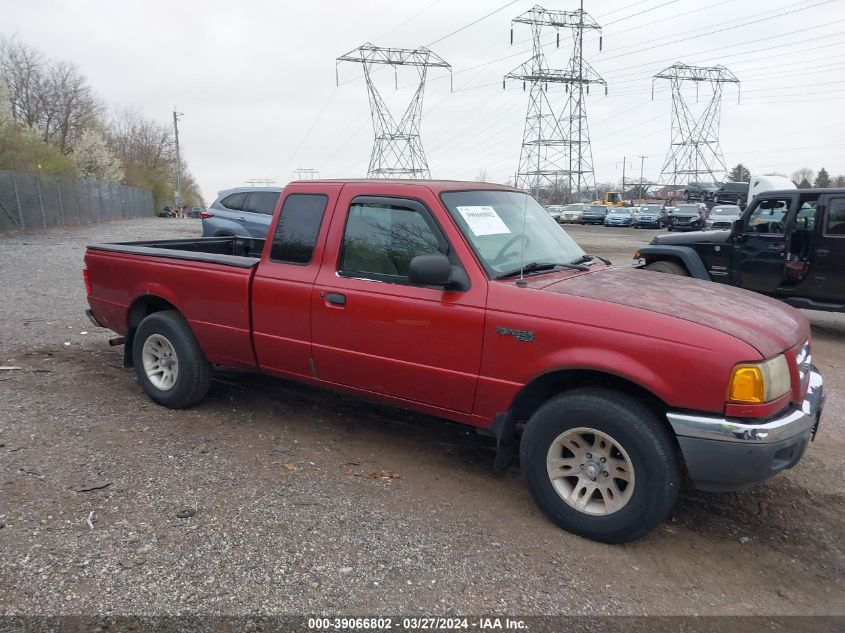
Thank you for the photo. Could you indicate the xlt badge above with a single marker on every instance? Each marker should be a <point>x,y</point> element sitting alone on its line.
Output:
<point>520,335</point>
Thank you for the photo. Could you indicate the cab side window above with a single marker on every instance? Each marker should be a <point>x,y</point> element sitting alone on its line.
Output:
<point>380,240</point>
<point>835,223</point>
<point>769,217</point>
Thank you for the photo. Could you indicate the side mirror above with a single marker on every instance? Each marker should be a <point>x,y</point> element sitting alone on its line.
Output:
<point>430,270</point>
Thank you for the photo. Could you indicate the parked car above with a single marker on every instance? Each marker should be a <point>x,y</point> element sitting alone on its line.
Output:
<point>649,216</point>
<point>686,217</point>
<point>787,244</point>
<point>594,214</point>
<point>732,193</point>
<point>464,300</point>
<point>722,216</point>
<point>554,211</point>
<point>242,211</point>
<point>572,213</point>
<point>619,216</point>
<point>700,191</point>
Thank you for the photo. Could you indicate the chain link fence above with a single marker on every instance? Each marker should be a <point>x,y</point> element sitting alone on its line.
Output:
<point>31,201</point>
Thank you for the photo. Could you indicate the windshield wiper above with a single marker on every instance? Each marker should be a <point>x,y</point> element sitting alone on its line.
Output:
<point>535,267</point>
<point>589,258</point>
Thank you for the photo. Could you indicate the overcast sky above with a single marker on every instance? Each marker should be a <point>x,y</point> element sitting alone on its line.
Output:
<point>256,80</point>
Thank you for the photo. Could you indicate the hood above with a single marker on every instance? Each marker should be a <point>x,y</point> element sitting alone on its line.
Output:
<point>693,237</point>
<point>769,326</point>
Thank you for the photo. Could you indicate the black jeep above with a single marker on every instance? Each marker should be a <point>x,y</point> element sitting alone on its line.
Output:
<point>787,244</point>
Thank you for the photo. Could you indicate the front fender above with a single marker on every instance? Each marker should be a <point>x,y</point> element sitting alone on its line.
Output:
<point>688,256</point>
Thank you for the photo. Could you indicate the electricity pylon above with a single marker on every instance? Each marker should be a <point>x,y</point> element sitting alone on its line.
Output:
<point>397,149</point>
<point>556,141</point>
<point>694,150</point>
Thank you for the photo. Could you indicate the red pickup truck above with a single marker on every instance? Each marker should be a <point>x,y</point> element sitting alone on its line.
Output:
<point>468,302</point>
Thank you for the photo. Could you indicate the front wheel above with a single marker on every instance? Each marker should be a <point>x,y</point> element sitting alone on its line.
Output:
<point>169,362</point>
<point>600,464</point>
<point>663,266</point>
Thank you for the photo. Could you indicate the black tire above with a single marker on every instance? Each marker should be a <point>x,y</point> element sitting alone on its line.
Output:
<point>193,378</point>
<point>633,426</point>
<point>665,266</point>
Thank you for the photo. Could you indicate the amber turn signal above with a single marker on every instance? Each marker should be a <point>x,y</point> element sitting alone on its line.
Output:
<point>747,385</point>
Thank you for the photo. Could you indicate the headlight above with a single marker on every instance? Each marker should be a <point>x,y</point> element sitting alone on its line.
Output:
<point>759,382</point>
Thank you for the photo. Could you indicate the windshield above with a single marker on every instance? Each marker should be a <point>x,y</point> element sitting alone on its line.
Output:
<point>684,208</point>
<point>725,211</point>
<point>493,222</point>
<point>574,207</point>
<point>651,208</point>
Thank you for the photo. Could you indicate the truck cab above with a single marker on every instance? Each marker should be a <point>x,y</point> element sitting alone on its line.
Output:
<point>788,244</point>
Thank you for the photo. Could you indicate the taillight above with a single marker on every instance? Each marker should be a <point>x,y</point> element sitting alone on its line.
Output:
<point>206,214</point>
<point>87,281</point>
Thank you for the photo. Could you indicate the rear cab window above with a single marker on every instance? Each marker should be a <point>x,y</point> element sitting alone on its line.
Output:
<point>299,224</point>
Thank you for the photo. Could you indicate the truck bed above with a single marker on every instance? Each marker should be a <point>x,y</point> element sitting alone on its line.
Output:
<point>207,280</point>
<point>243,252</point>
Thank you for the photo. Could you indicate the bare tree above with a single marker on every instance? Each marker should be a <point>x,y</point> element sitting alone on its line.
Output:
<point>22,70</point>
<point>70,105</point>
<point>52,98</point>
<point>143,141</point>
<point>805,173</point>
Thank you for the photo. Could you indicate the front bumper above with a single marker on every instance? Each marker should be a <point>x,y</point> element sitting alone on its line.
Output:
<point>730,453</point>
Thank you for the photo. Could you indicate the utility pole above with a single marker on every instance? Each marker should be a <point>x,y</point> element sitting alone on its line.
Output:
<point>556,140</point>
<point>624,164</point>
<point>397,149</point>
<point>642,162</point>
<point>694,150</point>
<point>176,116</point>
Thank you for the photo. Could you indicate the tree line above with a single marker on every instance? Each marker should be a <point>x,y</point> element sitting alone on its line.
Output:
<point>52,121</point>
<point>804,178</point>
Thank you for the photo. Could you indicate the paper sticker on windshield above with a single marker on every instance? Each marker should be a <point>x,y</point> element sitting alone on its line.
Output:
<point>483,221</point>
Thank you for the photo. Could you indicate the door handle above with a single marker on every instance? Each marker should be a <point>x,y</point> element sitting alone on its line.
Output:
<point>776,247</point>
<point>336,298</point>
<point>241,218</point>
<point>822,252</point>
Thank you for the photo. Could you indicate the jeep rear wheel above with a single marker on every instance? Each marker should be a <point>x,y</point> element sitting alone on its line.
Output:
<point>663,266</point>
<point>600,464</point>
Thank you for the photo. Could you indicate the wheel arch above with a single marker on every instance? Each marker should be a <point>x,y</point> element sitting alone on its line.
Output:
<point>141,308</point>
<point>685,256</point>
<point>546,386</point>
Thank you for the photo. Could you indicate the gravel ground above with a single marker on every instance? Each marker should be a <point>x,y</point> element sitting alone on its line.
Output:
<point>305,501</point>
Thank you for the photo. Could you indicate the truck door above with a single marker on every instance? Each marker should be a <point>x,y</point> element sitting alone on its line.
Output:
<point>761,245</point>
<point>281,289</point>
<point>829,270</point>
<point>372,329</point>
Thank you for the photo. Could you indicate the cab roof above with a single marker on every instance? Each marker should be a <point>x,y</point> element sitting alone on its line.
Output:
<point>436,186</point>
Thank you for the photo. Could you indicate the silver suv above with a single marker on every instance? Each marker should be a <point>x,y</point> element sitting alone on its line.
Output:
<point>242,211</point>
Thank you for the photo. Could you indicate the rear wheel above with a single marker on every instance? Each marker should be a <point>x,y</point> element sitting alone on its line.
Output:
<point>169,362</point>
<point>600,464</point>
<point>663,266</point>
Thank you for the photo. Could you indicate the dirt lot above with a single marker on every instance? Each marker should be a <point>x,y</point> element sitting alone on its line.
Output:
<point>286,518</point>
